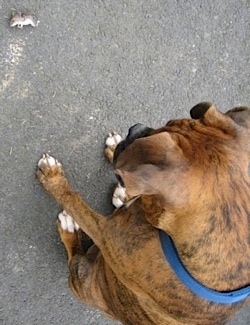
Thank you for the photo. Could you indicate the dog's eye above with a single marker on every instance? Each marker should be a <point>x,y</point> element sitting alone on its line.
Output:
<point>169,122</point>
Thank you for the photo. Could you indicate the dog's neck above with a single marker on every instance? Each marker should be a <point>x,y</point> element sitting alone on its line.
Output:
<point>226,259</point>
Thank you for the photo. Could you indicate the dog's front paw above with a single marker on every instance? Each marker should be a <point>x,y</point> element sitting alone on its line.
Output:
<point>50,174</point>
<point>49,170</point>
<point>111,143</point>
<point>70,233</point>
<point>119,196</point>
<point>67,223</point>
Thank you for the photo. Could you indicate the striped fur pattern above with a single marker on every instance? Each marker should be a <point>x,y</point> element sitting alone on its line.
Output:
<point>192,179</point>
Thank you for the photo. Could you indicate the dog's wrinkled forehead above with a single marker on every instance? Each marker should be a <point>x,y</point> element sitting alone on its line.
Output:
<point>136,131</point>
<point>206,121</point>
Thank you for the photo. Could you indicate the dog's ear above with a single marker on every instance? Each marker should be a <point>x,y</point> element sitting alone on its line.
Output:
<point>240,115</point>
<point>208,113</point>
<point>141,165</point>
<point>199,110</point>
<point>136,131</point>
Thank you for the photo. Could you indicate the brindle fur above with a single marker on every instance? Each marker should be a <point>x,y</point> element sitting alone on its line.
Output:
<point>193,180</point>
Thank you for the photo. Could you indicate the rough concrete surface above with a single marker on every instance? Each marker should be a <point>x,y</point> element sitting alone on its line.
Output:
<point>90,67</point>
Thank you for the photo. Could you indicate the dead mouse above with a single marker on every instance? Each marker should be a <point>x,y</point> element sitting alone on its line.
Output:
<point>21,19</point>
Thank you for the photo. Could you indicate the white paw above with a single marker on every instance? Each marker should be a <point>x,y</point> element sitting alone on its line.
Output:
<point>67,222</point>
<point>47,160</point>
<point>119,196</point>
<point>113,139</point>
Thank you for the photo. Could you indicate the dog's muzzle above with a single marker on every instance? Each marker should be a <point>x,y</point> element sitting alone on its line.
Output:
<point>135,132</point>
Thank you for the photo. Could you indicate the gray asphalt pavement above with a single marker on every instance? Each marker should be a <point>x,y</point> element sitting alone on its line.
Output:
<point>90,67</point>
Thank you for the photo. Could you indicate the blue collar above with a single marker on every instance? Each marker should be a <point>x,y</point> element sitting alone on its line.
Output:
<point>186,278</point>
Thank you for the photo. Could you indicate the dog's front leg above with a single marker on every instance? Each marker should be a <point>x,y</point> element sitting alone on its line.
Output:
<point>81,262</point>
<point>86,267</point>
<point>50,174</point>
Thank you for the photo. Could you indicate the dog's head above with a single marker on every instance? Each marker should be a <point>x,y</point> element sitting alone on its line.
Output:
<point>190,163</point>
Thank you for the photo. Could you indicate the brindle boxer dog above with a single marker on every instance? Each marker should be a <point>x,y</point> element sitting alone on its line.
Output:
<point>190,179</point>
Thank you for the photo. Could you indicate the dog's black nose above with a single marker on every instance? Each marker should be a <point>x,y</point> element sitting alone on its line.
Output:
<point>136,131</point>
<point>120,180</point>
